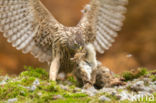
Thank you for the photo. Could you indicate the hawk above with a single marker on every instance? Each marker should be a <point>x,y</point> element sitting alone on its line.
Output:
<point>31,28</point>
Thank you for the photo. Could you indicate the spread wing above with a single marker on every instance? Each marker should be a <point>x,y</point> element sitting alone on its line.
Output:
<point>29,26</point>
<point>105,18</point>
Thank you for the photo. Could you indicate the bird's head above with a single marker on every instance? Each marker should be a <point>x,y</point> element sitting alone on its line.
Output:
<point>76,42</point>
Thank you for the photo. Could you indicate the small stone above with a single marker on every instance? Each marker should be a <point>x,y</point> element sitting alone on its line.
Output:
<point>151,83</point>
<point>13,100</point>
<point>6,78</point>
<point>68,83</point>
<point>138,86</point>
<point>146,80</point>
<point>55,97</point>
<point>2,83</point>
<point>104,98</point>
<point>124,95</point>
<point>39,94</point>
<point>33,88</point>
<point>118,97</point>
<point>64,87</point>
<point>90,91</point>
<point>135,80</point>
<point>153,87</point>
<point>107,90</point>
<point>76,90</point>
<point>140,83</point>
<point>36,82</point>
<point>113,93</point>
<point>148,89</point>
<point>28,88</point>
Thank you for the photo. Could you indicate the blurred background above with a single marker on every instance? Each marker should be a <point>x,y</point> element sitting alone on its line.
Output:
<point>134,47</point>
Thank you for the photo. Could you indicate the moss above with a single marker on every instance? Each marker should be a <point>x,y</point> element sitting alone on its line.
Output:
<point>75,95</point>
<point>142,72</point>
<point>72,100</point>
<point>12,90</point>
<point>119,90</point>
<point>35,72</point>
<point>54,87</point>
<point>44,92</point>
<point>16,87</point>
<point>27,81</point>
<point>153,77</point>
<point>130,76</point>
<point>72,80</point>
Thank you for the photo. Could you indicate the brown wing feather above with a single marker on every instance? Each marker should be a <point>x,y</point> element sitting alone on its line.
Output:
<point>29,26</point>
<point>105,18</point>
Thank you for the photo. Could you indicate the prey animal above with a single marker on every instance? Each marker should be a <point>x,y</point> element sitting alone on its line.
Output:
<point>31,28</point>
<point>90,72</point>
<point>85,66</point>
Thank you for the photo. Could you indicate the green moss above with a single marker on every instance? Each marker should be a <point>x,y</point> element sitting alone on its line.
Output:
<point>72,80</point>
<point>75,95</point>
<point>72,100</point>
<point>12,90</point>
<point>44,92</point>
<point>54,87</point>
<point>130,76</point>
<point>27,81</point>
<point>35,72</point>
<point>142,72</point>
<point>153,77</point>
<point>16,87</point>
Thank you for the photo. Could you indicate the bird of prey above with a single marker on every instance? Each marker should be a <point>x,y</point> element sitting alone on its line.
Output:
<point>31,28</point>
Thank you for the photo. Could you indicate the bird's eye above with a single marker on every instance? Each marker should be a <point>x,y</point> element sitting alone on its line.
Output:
<point>80,47</point>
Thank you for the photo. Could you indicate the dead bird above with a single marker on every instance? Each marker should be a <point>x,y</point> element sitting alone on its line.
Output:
<point>90,72</point>
<point>86,63</point>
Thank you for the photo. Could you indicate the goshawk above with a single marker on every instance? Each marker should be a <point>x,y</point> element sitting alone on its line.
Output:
<point>31,28</point>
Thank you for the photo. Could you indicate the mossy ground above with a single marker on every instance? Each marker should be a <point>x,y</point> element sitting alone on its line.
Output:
<point>20,87</point>
<point>138,73</point>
